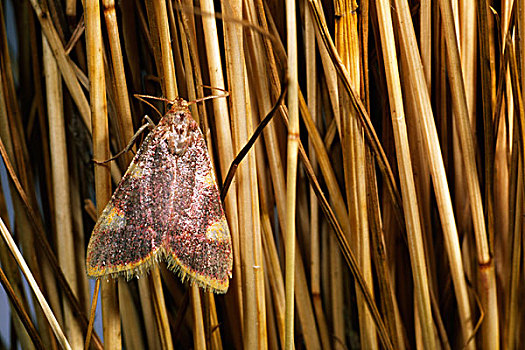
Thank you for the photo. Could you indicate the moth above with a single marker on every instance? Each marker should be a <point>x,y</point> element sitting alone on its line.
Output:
<point>166,207</point>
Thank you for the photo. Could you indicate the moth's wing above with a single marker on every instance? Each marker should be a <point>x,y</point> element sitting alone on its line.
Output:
<point>198,244</point>
<point>128,236</point>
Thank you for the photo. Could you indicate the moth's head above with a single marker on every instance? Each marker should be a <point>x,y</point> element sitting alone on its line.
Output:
<point>177,104</point>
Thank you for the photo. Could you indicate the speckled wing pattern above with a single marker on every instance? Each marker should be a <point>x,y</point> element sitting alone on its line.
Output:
<point>166,207</point>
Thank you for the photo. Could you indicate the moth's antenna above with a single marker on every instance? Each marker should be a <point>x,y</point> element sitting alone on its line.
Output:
<point>226,93</point>
<point>216,88</point>
<point>143,99</point>
<point>140,97</point>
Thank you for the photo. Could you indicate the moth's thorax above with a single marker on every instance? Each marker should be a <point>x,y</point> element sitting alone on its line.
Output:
<point>178,126</point>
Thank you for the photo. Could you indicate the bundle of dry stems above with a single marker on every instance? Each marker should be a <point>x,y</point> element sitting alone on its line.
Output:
<point>382,207</point>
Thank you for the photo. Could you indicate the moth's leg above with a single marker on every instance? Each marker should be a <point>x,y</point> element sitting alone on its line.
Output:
<point>149,125</point>
<point>244,151</point>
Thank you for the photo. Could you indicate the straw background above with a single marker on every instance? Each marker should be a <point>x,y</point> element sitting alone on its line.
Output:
<point>381,207</point>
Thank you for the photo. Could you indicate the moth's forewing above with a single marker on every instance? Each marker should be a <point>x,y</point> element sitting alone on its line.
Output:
<point>128,236</point>
<point>198,244</point>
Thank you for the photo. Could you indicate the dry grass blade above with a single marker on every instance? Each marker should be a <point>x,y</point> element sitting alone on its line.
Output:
<point>94,301</point>
<point>235,55</point>
<point>65,67</point>
<point>97,88</point>
<point>60,175</point>
<point>490,329</point>
<point>410,203</point>
<point>160,310</point>
<point>30,327</point>
<point>244,151</point>
<point>517,237</point>
<point>34,286</point>
<point>291,173</point>
<point>122,97</point>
